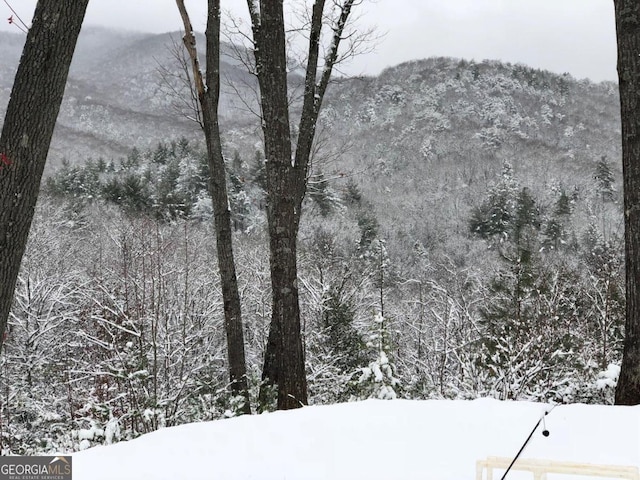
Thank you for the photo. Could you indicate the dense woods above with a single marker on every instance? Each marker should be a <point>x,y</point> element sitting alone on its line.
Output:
<point>519,295</point>
<point>461,236</point>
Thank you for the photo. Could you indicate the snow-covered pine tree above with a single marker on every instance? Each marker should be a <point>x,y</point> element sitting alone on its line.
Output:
<point>378,379</point>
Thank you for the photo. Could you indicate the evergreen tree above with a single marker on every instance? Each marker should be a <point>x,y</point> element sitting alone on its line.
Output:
<point>378,379</point>
<point>526,221</point>
<point>132,160</point>
<point>166,182</point>
<point>342,338</point>
<point>168,201</point>
<point>495,217</point>
<point>556,229</point>
<point>237,165</point>
<point>369,226</point>
<point>563,206</point>
<point>554,233</point>
<point>79,182</point>
<point>239,202</point>
<point>528,346</point>
<point>257,171</point>
<point>352,194</point>
<point>319,193</point>
<point>604,180</point>
<point>134,194</point>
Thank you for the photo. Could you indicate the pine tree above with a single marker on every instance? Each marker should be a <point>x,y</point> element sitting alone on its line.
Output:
<point>378,379</point>
<point>526,220</point>
<point>341,337</point>
<point>496,215</point>
<point>319,193</point>
<point>352,195</point>
<point>563,205</point>
<point>604,180</point>
<point>257,171</point>
<point>527,347</point>
<point>368,226</point>
<point>556,228</point>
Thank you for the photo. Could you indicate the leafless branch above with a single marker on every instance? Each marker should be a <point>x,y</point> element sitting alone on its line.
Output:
<point>241,47</point>
<point>242,95</point>
<point>189,40</point>
<point>179,84</point>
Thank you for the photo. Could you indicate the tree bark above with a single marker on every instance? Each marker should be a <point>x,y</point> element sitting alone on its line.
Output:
<point>287,180</point>
<point>627,14</point>
<point>29,122</point>
<point>284,358</point>
<point>208,95</point>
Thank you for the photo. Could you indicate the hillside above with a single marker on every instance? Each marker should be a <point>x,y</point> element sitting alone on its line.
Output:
<point>116,98</point>
<point>438,129</point>
<point>461,238</point>
<point>418,115</point>
<point>431,128</point>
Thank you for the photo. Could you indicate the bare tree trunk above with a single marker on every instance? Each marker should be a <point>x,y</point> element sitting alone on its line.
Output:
<point>284,361</point>
<point>287,179</point>
<point>209,95</point>
<point>628,33</point>
<point>28,127</point>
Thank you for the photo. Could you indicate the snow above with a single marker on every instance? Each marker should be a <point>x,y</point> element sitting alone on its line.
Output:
<point>609,378</point>
<point>111,431</point>
<point>374,439</point>
<point>90,434</point>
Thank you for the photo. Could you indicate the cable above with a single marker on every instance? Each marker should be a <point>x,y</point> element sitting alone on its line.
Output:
<point>545,432</point>
<point>24,28</point>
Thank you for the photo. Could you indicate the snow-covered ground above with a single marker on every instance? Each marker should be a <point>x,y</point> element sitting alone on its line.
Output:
<point>375,439</point>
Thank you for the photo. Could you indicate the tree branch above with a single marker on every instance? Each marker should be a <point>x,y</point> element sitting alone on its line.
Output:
<point>189,40</point>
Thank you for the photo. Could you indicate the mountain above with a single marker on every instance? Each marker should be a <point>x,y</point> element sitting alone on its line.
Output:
<point>426,133</point>
<point>428,138</point>
<point>419,114</point>
<point>116,97</point>
<point>423,133</point>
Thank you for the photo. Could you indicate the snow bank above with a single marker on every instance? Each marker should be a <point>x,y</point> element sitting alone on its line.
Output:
<point>370,440</point>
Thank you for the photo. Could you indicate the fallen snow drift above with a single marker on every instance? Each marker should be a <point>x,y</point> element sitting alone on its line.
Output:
<point>375,439</point>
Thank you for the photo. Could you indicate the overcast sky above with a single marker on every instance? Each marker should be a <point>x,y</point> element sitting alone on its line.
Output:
<point>575,36</point>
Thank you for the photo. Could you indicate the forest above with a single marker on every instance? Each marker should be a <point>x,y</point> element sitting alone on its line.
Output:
<point>117,326</point>
<point>461,237</point>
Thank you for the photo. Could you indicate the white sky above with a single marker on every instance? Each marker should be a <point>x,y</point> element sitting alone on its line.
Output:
<point>575,36</point>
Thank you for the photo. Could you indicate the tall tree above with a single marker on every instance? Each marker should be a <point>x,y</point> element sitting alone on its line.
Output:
<point>287,174</point>
<point>627,14</point>
<point>604,179</point>
<point>208,91</point>
<point>28,126</point>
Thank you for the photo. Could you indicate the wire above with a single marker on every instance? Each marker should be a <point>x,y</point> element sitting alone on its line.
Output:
<point>529,438</point>
<point>24,27</point>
